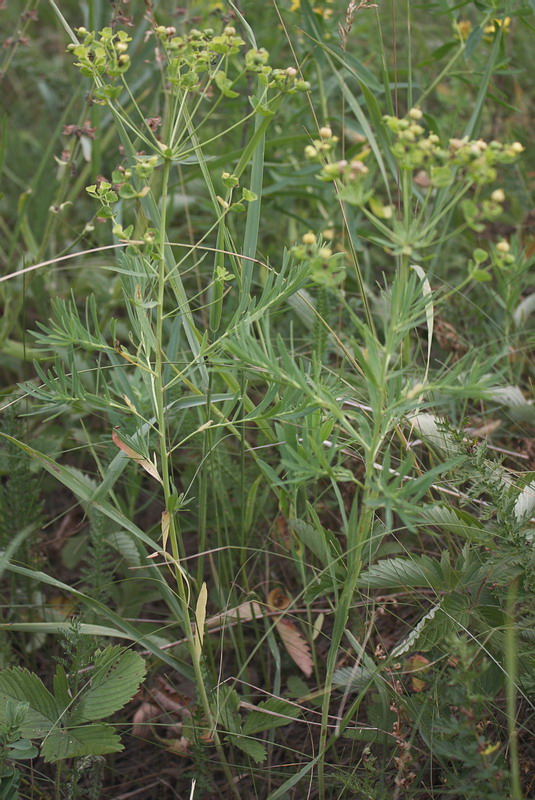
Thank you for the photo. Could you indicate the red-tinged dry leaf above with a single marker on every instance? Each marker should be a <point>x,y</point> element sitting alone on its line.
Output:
<point>180,702</point>
<point>170,703</point>
<point>163,704</point>
<point>245,612</point>
<point>147,465</point>
<point>296,645</point>
<point>142,718</point>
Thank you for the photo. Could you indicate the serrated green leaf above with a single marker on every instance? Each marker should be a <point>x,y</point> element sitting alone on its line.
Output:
<point>226,710</point>
<point>455,521</point>
<point>411,572</point>
<point>252,747</point>
<point>276,712</point>
<point>86,740</point>
<point>311,538</point>
<point>115,679</point>
<point>61,687</point>
<point>20,685</point>
<point>296,686</point>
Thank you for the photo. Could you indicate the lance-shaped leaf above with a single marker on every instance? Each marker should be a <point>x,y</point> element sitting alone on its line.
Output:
<point>200,616</point>
<point>296,645</point>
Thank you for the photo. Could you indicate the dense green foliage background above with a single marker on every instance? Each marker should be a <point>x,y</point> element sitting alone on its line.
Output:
<point>266,349</point>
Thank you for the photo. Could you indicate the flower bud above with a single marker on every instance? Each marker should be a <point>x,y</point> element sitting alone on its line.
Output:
<point>503,247</point>
<point>291,72</point>
<point>326,132</point>
<point>416,129</point>
<point>517,147</point>
<point>498,196</point>
<point>325,252</point>
<point>415,113</point>
<point>331,171</point>
<point>230,31</point>
<point>309,238</point>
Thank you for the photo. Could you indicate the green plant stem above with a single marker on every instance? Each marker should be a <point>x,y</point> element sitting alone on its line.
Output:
<point>174,538</point>
<point>354,566</point>
<point>511,670</point>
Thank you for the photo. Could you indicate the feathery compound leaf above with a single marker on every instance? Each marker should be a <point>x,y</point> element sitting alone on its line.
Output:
<point>94,740</point>
<point>116,676</point>
<point>20,685</point>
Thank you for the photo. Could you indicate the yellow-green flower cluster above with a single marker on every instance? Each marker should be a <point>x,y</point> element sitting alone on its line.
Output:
<point>322,146</point>
<point>187,56</point>
<point>325,266</point>
<point>202,50</point>
<point>102,54</point>
<point>416,148</point>
<point>349,173</point>
<point>502,255</point>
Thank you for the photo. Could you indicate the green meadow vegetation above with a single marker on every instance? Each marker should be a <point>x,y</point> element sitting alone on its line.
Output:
<point>267,455</point>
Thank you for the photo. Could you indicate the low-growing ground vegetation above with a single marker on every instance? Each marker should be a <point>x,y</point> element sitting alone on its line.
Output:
<point>266,448</point>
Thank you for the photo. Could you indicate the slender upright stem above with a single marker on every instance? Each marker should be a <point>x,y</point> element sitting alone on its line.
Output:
<point>511,669</point>
<point>174,533</point>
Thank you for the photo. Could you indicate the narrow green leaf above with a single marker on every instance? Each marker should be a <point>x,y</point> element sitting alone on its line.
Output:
<point>281,792</point>
<point>130,630</point>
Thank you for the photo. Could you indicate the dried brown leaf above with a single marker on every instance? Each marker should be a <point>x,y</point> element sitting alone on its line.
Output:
<point>245,612</point>
<point>141,719</point>
<point>296,645</point>
<point>147,465</point>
